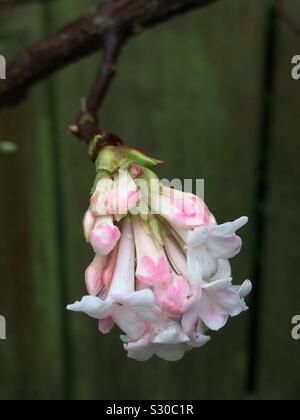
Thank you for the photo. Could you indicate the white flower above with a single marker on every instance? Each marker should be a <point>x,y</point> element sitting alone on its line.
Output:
<point>217,302</point>
<point>209,243</point>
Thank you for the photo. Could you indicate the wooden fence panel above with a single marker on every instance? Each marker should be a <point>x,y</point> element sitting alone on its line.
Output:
<point>279,362</point>
<point>188,92</point>
<point>31,359</point>
<point>75,174</point>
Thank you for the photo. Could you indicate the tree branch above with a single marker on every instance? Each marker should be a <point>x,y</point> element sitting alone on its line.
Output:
<point>108,27</point>
<point>84,36</point>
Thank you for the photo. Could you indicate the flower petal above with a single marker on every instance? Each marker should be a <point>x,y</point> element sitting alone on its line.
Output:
<point>143,303</point>
<point>89,221</point>
<point>123,279</point>
<point>228,229</point>
<point>220,300</point>
<point>106,325</point>
<point>171,335</point>
<point>189,319</point>
<point>94,275</point>
<point>93,306</point>
<point>128,321</point>
<point>172,353</point>
<point>223,272</point>
<point>174,299</point>
<point>208,244</point>
<point>141,350</point>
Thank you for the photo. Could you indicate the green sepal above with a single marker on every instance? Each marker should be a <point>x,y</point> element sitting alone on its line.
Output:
<point>111,159</point>
<point>136,156</point>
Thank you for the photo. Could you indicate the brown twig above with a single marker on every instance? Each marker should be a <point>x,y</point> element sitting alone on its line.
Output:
<point>108,27</point>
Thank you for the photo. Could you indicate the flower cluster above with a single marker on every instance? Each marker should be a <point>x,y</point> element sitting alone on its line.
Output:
<point>161,271</point>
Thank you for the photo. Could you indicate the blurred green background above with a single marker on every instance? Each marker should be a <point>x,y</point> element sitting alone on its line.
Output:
<point>210,93</point>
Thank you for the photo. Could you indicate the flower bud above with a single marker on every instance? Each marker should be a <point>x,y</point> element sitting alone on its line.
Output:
<point>104,236</point>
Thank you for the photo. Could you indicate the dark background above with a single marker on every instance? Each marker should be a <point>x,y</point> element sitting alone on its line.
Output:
<point>211,93</point>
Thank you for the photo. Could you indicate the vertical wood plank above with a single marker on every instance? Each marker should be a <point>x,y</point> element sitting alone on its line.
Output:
<point>86,357</point>
<point>31,357</point>
<point>279,363</point>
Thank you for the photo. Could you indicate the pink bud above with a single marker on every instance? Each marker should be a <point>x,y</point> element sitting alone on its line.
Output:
<point>119,200</point>
<point>105,236</point>
<point>181,209</point>
<point>104,186</point>
<point>135,170</point>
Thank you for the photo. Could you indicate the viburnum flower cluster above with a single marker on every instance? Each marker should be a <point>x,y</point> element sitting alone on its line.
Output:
<point>161,271</point>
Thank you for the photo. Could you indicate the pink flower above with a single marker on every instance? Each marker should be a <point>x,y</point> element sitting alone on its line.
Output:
<point>167,341</point>
<point>122,284</point>
<point>218,301</point>
<point>171,291</point>
<point>207,244</point>
<point>174,299</point>
<point>163,279</point>
<point>181,209</point>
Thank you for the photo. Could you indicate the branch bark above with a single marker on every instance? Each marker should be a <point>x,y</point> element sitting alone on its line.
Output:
<point>83,36</point>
